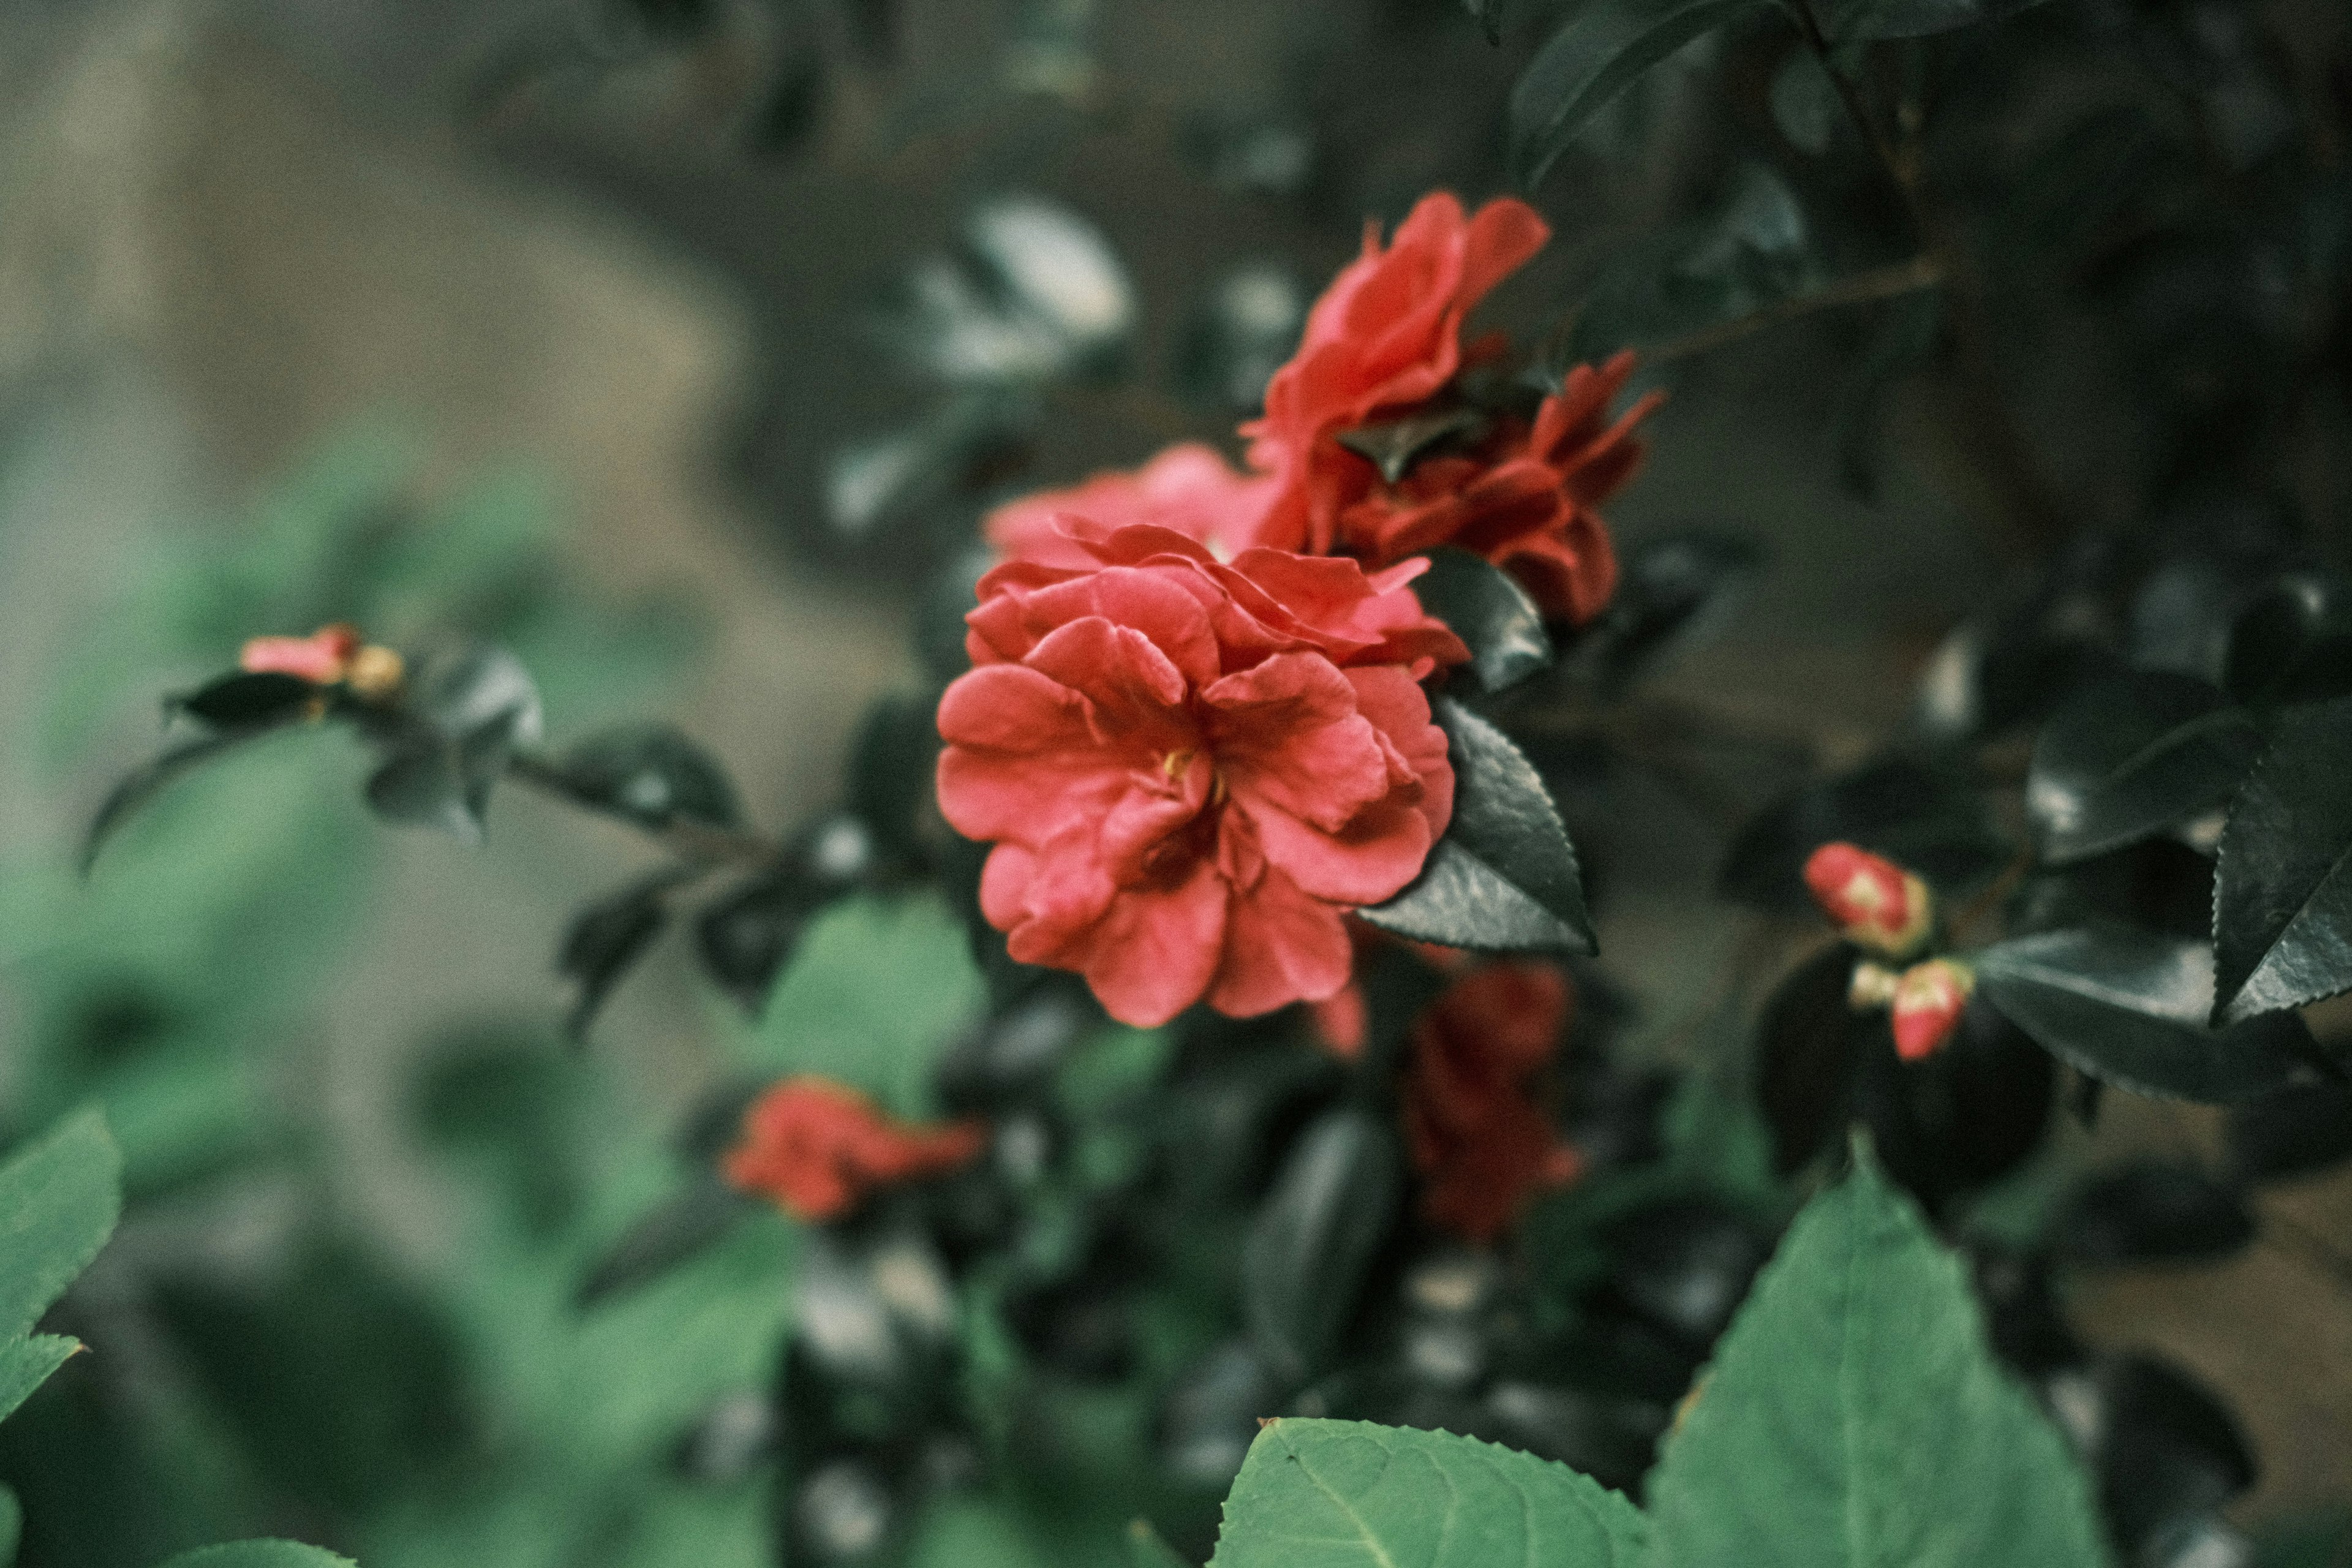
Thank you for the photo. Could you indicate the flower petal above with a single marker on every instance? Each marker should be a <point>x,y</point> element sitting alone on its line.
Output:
<point>1281,946</point>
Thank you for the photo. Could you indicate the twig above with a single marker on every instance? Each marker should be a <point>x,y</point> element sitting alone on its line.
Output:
<point>1888,282</point>
<point>697,843</point>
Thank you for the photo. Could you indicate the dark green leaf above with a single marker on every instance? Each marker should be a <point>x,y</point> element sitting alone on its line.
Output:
<point>1854,1417</point>
<point>1347,1494</point>
<point>421,785</point>
<point>1145,1549</point>
<point>1927,819</point>
<point>892,766</point>
<point>1488,13</point>
<point>607,937</point>
<point>1314,1237</point>
<point>1489,611</point>
<point>466,715</point>
<point>1671,591</point>
<point>259,1554</point>
<point>651,775</point>
<point>673,1230</point>
<point>745,935</point>
<point>2130,1006</point>
<point>240,700</point>
<point>1747,252</point>
<point>2293,644</point>
<point>1965,1117</point>
<point>2291,1133</point>
<point>1808,1046</point>
<point>136,788</point>
<point>2126,758</point>
<point>59,1200</point>
<point>1503,878</point>
<point>1855,21</point>
<point>2156,1211</point>
<point>26,1363</point>
<point>2283,885</point>
<point>1395,445</point>
<point>1593,58</point>
<point>2169,1452</point>
<point>1804,102</point>
<point>11,1526</point>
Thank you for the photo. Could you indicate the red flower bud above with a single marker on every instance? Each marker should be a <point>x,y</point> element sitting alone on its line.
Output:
<point>319,658</point>
<point>818,1148</point>
<point>1929,1001</point>
<point>1877,903</point>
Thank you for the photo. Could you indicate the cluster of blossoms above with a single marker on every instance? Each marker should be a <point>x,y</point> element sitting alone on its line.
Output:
<point>1881,907</point>
<point>1194,729</point>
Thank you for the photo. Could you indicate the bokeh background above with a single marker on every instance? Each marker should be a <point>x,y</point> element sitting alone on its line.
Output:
<point>585,324</point>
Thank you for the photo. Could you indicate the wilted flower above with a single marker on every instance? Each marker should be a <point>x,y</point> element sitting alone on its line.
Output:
<point>1482,1143</point>
<point>1191,769</point>
<point>818,1148</point>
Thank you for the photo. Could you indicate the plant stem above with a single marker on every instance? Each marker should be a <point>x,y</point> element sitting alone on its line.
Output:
<point>1888,282</point>
<point>697,843</point>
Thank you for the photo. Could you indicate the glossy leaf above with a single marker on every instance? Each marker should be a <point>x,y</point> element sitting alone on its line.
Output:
<point>465,715</point>
<point>1669,592</point>
<point>609,936</point>
<point>2282,885</point>
<point>236,701</point>
<point>2126,758</point>
<point>1504,877</point>
<point>1854,1417</point>
<point>1809,1047</point>
<point>260,1554</point>
<point>2130,1006</point>
<point>2293,1132</point>
<point>1966,1116</point>
<point>1488,610</point>
<point>651,775</point>
<point>678,1227</point>
<point>2293,644</point>
<point>1345,1494</point>
<point>2167,1450</point>
<point>1594,58</point>
<point>1857,21</point>
<point>2154,1211</point>
<point>1313,1238</point>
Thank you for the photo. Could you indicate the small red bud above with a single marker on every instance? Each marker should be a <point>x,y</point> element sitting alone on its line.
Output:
<point>319,658</point>
<point>1929,1001</point>
<point>818,1148</point>
<point>1875,903</point>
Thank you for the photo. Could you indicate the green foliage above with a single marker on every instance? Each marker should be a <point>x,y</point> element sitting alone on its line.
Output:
<point>2126,758</point>
<point>1504,877</point>
<point>1598,55</point>
<point>1347,1494</point>
<point>877,986</point>
<point>59,1200</point>
<point>1331,1208</point>
<point>258,1554</point>
<point>1488,611</point>
<point>2283,894</point>
<point>1854,1417</point>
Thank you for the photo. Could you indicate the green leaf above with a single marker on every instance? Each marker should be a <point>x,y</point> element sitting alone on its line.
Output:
<point>59,1200</point>
<point>11,1526</point>
<point>1854,1417</point>
<point>1145,1548</point>
<point>605,939</point>
<point>466,715</point>
<point>2129,1006</point>
<point>1857,21</point>
<point>1331,1207</point>
<point>1591,60</point>
<point>651,775</point>
<point>1488,15</point>
<point>242,699</point>
<point>1348,1494</point>
<point>2126,758</point>
<point>1804,102</point>
<point>1394,445</point>
<point>25,1364</point>
<point>136,788</point>
<point>1503,878</point>
<point>259,1554</point>
<point>2282,885</point>
<point>1488,610</point>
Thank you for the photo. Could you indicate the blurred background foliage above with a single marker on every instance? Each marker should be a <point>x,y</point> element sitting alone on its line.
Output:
<point>680,343</point>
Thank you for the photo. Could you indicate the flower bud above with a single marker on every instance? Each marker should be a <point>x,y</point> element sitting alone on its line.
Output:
<point>1929,1001</point>
<point>1875,903</point>
<point>1872,987</point>
<point>818,1148</point>
<point>376,672</point>
<point>320,658</point>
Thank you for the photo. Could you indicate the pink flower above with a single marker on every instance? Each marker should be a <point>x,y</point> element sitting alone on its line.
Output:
<point>1191,770</point>
<point>818,1148</point>
<point>1187,487</point>
<point>1385,336</point>
<point>319,658</point>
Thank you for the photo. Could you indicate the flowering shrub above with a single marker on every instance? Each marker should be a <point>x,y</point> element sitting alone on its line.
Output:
<point>1187,1094</point>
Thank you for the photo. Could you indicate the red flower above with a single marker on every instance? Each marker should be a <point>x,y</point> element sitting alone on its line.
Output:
<point>1875,903</point>
<point>320,658</point>
<point>1187,487</point>
<point>1191,770</point>
<point>1475,1133</point>
<point>818,1148</point>
<point>1526,499</point>
<point>1928,1003</point>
